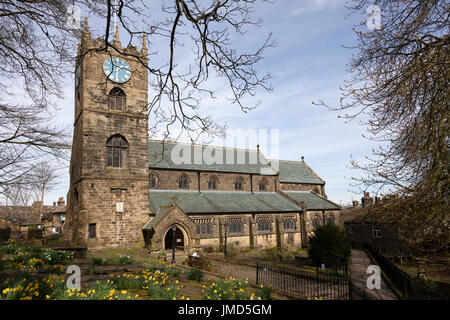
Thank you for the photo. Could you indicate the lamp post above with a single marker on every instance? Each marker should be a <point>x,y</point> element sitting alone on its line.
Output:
<point>174,228</point>
<point>225,245</point>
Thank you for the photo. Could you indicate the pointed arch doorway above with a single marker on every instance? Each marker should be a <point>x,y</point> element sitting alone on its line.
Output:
<point>176,237</point>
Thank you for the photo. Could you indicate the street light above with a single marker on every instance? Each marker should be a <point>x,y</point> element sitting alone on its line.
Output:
<point>225,246</point>
<point>174,228</point>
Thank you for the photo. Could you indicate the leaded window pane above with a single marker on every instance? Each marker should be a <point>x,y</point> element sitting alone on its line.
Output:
<point>116,157</point>
<point>110,156</point>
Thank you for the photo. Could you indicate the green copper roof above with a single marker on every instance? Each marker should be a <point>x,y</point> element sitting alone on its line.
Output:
<point>312,200</point>
<point>297,172</point>
<point>192,202</point>
<point>171,155</point>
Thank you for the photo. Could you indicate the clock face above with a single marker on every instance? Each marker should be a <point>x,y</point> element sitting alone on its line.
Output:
<point>117,70</point>
<point>77,77</point>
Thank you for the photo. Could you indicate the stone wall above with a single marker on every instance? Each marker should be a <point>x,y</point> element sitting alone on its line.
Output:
<point>249,237</point>
<point>95,188</point>
<point>168,180</point>
<point>317,188</point>
<point>322,216</point>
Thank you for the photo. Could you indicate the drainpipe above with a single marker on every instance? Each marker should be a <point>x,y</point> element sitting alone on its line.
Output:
<point>198,178</point>
<point>251,183</point>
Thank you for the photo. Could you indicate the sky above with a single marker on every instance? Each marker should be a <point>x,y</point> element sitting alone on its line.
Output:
<point>309,64</point>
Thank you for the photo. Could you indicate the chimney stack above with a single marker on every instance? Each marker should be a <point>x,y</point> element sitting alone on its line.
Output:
<point>61,201</point>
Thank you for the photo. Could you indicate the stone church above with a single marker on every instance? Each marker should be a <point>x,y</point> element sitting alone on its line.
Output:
<point>126,189</point>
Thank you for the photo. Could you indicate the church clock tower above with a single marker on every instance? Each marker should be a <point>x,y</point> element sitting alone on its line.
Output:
<point>108,200</point>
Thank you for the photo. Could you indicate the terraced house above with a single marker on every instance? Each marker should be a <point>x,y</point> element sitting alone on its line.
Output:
<point>126,189</point>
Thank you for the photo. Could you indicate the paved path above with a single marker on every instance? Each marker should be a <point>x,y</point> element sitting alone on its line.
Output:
<point>359,263</point>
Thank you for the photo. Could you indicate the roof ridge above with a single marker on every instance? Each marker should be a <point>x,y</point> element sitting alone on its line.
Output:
<point>205,145</point>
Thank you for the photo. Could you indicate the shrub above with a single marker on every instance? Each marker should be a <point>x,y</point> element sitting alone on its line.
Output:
<point>20,256</point>
<point>173,272</point>
<point>128,281</point>
<point>270,252</point>
<point>126,259</point>
<point>158,292</point>
<point>56,269</point>
<point>195,274</point>
<point>265,293</point>
<point>10,248</point>
<point>2,263</point>
<point>35,263</point>
<point>227,290</point>
<point>330,246</point>
<point>26,289</point>
<point>98,261</point>
<point>53,257</point>
<point>34,252</point>
<point>91,270</point>
<point>288,256</point>
<point>99,291</point>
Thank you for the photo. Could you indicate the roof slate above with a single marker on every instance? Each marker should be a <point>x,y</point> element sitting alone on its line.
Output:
<point>312,200</point>
<point>229,159</point>
<point>297,172</point>
<point>193,202</point>
<point>160,214</point>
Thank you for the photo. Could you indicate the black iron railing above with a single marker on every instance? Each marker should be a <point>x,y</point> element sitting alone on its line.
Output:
<point>409,288</point>
<point>328,284</point>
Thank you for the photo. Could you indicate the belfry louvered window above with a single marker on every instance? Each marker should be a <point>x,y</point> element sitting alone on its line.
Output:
<point>117,151</point>
<point>117,99</point>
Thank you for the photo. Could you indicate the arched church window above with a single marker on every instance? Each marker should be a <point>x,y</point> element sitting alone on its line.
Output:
<point>239,184</point>
<point>316,222</point>
<point>264,224</point>
<point>289,224</point>
<point>117,99</point>
<point>153,181</point>
<point>235,226</point>
<point>263,185</point>
<point>183,182</point>
<point>212,183</point>
<point>117,151</point>
<point>330,219</point>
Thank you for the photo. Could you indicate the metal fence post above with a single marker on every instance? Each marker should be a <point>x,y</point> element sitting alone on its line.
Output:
<point>350,297</point>
<point>257,272</point>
